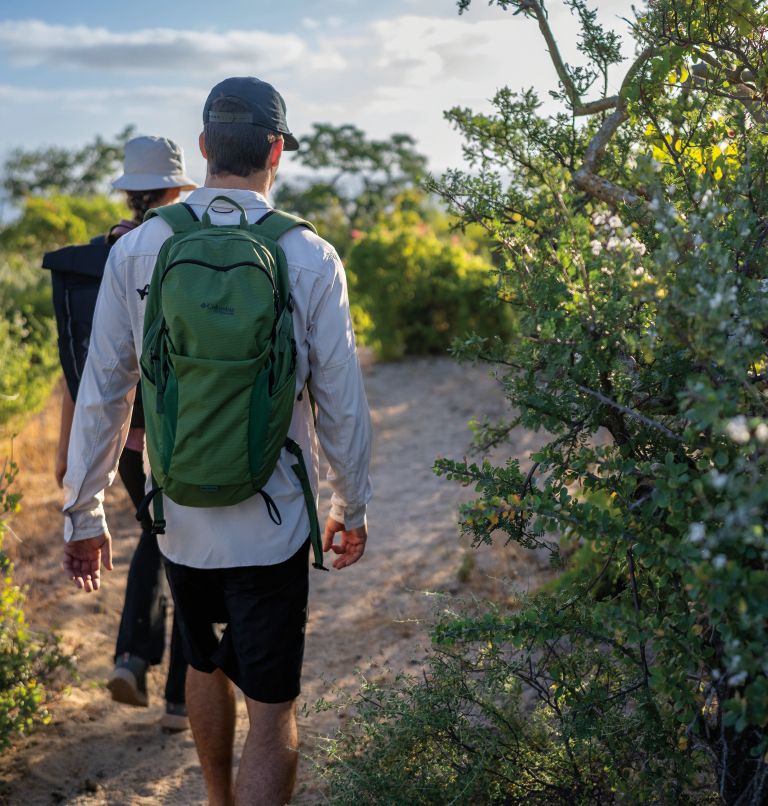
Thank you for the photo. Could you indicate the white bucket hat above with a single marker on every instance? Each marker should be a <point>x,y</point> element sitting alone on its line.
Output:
<point>152,163</point>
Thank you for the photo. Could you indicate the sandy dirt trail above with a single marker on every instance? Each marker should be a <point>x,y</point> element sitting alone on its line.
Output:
<point>370,616</point>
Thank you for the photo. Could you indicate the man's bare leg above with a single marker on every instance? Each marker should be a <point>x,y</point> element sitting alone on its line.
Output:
<point>267,771</point>
<point>211,710</point>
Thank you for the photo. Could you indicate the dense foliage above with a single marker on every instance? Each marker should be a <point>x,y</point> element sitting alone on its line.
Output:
<point>28,661</point>
<point>27,328</point>
<point>419,285</point>
<point>640,293</point>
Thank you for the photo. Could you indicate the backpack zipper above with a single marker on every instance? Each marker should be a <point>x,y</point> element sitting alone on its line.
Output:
<point>219,268</point>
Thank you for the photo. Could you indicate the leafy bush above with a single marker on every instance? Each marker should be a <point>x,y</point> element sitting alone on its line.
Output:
<point>640,288</point>
<point>27,328</point>
<point>30,363</point>
<point>463,733</point>
<point>420,286</point>
<point>28,662</point>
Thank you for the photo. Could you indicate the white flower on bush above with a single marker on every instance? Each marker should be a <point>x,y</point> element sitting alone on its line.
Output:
<point>717,480</point>
<point>597,247</point>
<point>614,222</point>
<point>696,533</point>
<point>761,432</point>
<point>737,429</point>
<point>719,561</point>
<point>737,679</point>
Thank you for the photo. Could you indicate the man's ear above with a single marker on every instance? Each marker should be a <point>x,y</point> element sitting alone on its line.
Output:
<point>201,143</point>
<point>275,153</point>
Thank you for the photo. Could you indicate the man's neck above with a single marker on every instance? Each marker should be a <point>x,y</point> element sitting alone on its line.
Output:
<point>260,182</point>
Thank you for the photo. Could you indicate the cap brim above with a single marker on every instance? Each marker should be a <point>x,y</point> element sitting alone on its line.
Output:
<point>153,182</point>
<point>290,143</point>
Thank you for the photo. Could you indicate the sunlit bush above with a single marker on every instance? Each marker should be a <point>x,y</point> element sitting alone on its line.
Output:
<point>422,287</point>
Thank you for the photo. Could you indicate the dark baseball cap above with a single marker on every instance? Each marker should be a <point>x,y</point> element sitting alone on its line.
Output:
<point>262,106</point>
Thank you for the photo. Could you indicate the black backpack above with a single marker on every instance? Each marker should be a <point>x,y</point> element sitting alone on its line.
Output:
<point>76,273</point>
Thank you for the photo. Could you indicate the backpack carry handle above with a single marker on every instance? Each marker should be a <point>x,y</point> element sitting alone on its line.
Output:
<point>206,219</point>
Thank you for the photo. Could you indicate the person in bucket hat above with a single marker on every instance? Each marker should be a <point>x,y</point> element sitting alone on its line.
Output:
<point>235,564</point>
<point>153,163</point>
<point>153,176</point>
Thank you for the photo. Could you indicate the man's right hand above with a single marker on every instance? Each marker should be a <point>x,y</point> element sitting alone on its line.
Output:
<point>83,560</point>
<point>352,543</point>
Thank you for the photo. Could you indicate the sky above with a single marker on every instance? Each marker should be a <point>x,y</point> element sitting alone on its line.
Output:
<point>70,71</point>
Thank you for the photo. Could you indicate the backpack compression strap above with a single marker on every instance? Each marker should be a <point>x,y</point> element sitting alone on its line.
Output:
<point>300,469</point>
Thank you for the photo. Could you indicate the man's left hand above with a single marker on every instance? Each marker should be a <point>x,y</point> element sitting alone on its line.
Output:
<point>83,560</point>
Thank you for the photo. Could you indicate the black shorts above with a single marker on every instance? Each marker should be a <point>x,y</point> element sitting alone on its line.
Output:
<point>264,608</point>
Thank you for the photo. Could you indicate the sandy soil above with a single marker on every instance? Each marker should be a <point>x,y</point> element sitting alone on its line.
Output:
<point>369,617</point>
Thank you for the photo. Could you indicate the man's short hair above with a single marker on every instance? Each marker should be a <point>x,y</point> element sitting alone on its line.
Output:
<point>239,149</point>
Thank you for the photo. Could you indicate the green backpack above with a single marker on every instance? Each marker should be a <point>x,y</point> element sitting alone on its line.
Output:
<point>218,364</point>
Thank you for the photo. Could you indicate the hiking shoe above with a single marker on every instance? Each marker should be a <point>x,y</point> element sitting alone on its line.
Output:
<point>128,681</point>
<point>175,718</point>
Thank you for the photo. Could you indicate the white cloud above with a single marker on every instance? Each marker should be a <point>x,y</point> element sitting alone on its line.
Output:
<point>30,43</point>
<point>383,75</point>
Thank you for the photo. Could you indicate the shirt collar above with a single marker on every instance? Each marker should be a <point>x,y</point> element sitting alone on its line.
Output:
<point>248,199</point>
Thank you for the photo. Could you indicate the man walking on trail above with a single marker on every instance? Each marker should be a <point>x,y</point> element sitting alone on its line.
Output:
<point>239,565</point>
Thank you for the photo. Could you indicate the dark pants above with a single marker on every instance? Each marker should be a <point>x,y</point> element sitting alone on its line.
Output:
<point>142,625</point>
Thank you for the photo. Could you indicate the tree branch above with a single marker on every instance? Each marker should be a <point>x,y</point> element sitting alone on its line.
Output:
<point>601,105</point>
<point>744,93</point>
<point>586,177</point>
<point>579,109</point>
<point>635,415</point>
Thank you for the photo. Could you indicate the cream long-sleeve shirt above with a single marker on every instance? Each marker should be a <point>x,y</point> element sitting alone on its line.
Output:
<point>243,534</point>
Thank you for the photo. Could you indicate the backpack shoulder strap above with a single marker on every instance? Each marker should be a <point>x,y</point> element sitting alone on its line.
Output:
<point>276,223</point>
<point>273,225</point>
<point>179,217</point>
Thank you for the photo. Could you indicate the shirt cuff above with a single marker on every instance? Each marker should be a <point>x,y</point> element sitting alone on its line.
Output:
<point>351,518</point>
<point>82,524</point>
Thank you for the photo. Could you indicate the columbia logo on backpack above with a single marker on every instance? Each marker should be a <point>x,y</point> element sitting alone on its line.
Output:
<point>214,308</point>
<point>219,391</point>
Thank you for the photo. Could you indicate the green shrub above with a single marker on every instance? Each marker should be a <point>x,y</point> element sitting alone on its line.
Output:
<point>641,352</point>
<point>462,732</point>
<point>30,364</point>
<point>420,286</point>
<point>27,328</point>
<point>29,662</point>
